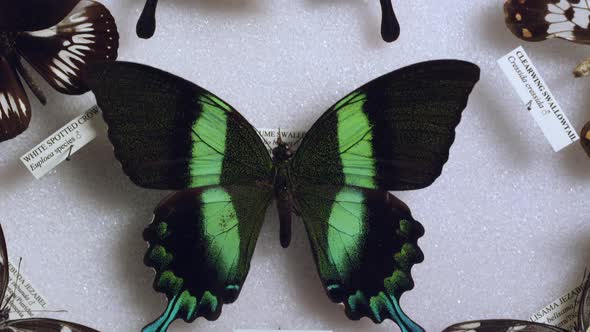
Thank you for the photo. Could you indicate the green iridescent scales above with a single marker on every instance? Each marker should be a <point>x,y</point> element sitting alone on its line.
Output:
<point>393,133</point>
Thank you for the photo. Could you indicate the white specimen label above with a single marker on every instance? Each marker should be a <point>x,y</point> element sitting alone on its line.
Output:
<point>563,312</point>
<point>27,300</point>
<point>64,143</point>
<point>289,136</point>
<point>279,331</point>
<point>539,101</point>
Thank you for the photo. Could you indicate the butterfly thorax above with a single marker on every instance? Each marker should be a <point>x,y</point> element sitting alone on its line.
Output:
<point>280,157</point>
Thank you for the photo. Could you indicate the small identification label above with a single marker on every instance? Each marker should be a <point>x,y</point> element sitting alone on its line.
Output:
<point>279,331</point>
<point>539,101</point>
<point>562,312</point>
<point>27,298</point>
<point>63,143</point>
<point>289,136</point>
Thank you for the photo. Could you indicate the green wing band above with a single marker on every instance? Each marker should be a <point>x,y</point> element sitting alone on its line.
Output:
<point>201,242</point>
<point>365,244</point>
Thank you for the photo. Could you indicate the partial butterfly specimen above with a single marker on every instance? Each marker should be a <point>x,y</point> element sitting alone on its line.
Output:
<point>585,138</point>
<point>537,20</point>
<point>29,324</point>
<point>58,38</point>
<point>146,26</point>
<point>393,133</point>
<point>509,325</point>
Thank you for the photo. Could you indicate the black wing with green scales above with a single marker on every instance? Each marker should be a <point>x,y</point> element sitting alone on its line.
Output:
<point>394,133</point>
<point>169,133</point>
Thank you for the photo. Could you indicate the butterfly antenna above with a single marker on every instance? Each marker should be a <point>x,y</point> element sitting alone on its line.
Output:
<point>390,29</point>
<point>146,26</point>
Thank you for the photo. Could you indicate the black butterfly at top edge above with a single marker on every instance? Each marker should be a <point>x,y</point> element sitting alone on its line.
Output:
<point>390,30</point>
<point>509,325</point>
<point>393,133</point>
<point>58,38</point>
<point>27,324</point>
<point>538,20</point>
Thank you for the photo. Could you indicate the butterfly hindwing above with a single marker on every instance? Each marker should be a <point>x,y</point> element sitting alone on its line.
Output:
<point>4,270</point>
<point>32,15</point>
<point>390,29</point>
<point>87,34</point>
<point>394,133</point>
<point>15,110</point>
<point>171,134</point>
<point>585,138</point>
<point>537,20</point>
<point>201,242</point>
<point>502,325</point>
<point>45,325</point>
<point>365,244</point>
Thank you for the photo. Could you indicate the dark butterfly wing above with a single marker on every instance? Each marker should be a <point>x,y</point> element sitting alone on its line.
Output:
<point>32,15</point>
<point>390,29</point>
<point>146,26</point>
<point>201,242</point>
<point>537,20</point>
<point>393,133</point>
<point>584,309</point>
<point>502,325</point>
<point>171,134</point>
<point>15,110</point>
<point>585,138</point>
<point>364,244</point>
<point>3,266</point>
<point>44,325</point>
<point>87,34</point>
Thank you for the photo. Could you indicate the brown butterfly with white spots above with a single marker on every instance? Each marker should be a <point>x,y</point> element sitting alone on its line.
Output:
<point>58,38</point>
<point>509,325</point>
<point>27,324</point>
<point>537,20</point>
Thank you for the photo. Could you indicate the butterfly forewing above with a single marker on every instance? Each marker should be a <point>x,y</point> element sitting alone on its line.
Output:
<point>15,110</point>
<point>32,15</point>
<point>201,242</point>
<point>171,134</point>
<point>536,20</point>
<point>60,54</point>
<point>502,325</point>
<point>394,133</point>
<point>583,323</point>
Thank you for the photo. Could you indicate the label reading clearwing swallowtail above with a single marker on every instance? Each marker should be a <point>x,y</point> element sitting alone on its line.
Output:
<point>27,300</point>
<point>289,136</point>
<point>563,312</point>
<point>64,143</point>
<point>539,101</point>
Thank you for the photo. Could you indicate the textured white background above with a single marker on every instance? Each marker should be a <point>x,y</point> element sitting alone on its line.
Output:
<point>507,227</point>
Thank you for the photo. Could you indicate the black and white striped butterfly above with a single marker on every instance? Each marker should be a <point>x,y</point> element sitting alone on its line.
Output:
<point>28,324</point>
<point>58,38</point>
<point>390,30</point>
<point>537,20</point>
<point>508,325</point>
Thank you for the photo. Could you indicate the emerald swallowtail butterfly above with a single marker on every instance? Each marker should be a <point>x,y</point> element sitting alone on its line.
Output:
<point>509,325</point>
<point>393,133</point>
<point>27,324</point>
<point>58,38</point>
<point>146,26</point>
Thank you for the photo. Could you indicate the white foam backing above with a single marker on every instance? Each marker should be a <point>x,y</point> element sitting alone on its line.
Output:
<point>507,224</point>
